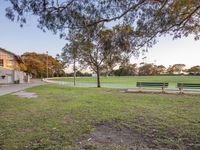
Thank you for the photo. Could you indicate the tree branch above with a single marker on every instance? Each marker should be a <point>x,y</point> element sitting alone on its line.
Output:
<point>117,17</point>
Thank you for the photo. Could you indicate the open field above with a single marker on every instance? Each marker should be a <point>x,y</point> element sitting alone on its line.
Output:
<point>130,81</point>
<point>90,118</point>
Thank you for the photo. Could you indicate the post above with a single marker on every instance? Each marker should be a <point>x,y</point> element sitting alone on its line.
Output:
<point>74,72</point>
<point>140,87</point>
<point>181,89</point>
<point>47,75</point>
<point>163,88</point>
<point>98,78</point>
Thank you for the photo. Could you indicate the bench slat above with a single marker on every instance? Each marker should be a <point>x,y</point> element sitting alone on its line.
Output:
<point>189,85</point>
<point>151,84</point>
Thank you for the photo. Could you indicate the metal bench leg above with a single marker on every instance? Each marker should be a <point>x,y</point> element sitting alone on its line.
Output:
<point>140,89</point>
<point>163,90</point>
<point>181,90</point>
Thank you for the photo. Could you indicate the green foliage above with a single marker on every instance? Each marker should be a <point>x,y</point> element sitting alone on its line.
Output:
<point>148,69</point>
<point>126,70</point>
<point>176,68</point>
<point>70,52</point>
<point>107,49</point>
<point>79,74</point>
<point>146,19</point>
<point>195,70</point>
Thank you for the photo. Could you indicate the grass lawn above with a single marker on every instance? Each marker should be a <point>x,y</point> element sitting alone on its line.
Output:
<point>91,118</point>
<point>130,81</point>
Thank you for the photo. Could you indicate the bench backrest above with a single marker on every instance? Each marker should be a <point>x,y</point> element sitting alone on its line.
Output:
<point>152,84</point>
<point>189,85</point>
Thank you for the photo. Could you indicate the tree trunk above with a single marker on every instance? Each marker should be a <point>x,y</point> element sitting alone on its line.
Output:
<point>74,72</point>
<point>98,78</point>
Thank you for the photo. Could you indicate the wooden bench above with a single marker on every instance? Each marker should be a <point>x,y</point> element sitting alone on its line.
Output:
<point>182,86</point>
<point>153,84</point>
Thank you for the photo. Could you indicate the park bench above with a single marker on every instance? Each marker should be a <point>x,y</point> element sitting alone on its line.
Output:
<point>182,86</point>
<point>153,85</point>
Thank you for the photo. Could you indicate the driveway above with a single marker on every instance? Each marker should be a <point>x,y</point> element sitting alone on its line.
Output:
<point>19,87</point>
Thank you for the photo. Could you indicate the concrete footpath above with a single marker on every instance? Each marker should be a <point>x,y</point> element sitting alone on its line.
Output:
<point>19,87</point>
<point>167,91</point>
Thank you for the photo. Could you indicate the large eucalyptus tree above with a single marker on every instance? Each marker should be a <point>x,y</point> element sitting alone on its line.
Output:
<point>148,18</point>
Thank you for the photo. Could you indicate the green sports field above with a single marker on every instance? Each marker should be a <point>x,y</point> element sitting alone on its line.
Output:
<point>130,81</point>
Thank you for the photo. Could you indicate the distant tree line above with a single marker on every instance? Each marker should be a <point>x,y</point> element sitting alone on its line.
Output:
<point>78,74</point>
<point>152,69</point>
<point>128,69</point>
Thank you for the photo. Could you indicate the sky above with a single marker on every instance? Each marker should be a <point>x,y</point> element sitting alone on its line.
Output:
<point>31,39</point>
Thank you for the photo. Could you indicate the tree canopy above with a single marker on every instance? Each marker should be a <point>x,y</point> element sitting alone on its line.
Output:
<point>148,18</point>
<point>178,68</point>
<point>37,65</point>
<point>195,70</point>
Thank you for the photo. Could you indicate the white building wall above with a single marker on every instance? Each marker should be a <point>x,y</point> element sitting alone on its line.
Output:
<point>6,76</point>
<point>19,76</point>
<point>10,76</point>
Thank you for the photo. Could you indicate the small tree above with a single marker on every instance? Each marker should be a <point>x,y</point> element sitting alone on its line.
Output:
<point>70,54</point>
<point>148,69</point>
<point>160,69</point>
<point>127,69</point>
<point>107,47</point>
<point>195,70</point>
<point>176,68</point>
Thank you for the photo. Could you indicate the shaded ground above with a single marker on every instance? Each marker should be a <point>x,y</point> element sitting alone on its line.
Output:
<point>90,118</point>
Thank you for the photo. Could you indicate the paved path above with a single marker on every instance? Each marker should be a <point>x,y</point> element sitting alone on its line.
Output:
<point>19,87</point>
<point>167,91</point>
<point>86,84</point>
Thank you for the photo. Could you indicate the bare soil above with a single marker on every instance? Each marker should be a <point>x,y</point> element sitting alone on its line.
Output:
<point>120,136</point>
<point>106,136</point>
<point>25,94</point>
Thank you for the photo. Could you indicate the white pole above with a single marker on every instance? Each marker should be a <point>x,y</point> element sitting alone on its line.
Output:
<point>47,65</point>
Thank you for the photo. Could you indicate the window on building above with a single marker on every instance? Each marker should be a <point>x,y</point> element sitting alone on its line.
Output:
<point>1,62</point>
<point>10,60</point>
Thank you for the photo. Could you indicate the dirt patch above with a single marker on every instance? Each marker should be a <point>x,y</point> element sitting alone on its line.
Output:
<point>135,136</point>
<point>24,94</point>
<point>106,136</point>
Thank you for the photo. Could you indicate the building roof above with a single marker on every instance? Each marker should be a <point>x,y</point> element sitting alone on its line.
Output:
<point>17,56</point>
